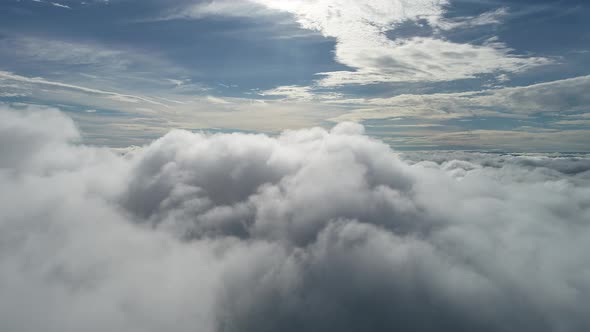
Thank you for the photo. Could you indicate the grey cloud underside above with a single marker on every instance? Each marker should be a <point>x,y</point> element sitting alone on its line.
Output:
<point>313,230</point>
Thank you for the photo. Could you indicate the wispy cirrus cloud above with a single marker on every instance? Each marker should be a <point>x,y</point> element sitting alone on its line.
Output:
<point>38,81</point>
<point>298,93</point>
<point>54,4</point>
<point>557,98</point>
<point>61,5</point>
<point>59,52</point>
<point>487,18</point>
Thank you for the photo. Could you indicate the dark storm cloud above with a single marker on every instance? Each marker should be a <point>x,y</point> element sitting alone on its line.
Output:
<point>313,230</point>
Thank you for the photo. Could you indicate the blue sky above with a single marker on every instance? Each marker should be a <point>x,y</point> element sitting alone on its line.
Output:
<point>423,74</point>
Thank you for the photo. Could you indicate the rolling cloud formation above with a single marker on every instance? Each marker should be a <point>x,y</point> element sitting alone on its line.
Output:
<point>313,230</point>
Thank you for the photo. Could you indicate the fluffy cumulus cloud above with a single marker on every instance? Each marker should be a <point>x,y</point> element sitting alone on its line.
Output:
<point>315,230</point>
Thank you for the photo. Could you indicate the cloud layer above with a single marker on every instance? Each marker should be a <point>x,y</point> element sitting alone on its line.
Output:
<point>312,230</point>
<point>554,98</point>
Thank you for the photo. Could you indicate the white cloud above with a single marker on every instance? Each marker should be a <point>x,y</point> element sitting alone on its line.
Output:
<point>556,97</point>
<point>360,30</point>
<point>290,92</point>
<point>422,59</point>
<point>214,8</point>
<point>519,139</point>
<point>57,4</point>
<point>12,94</point>
<point>487,18</point>
<point>40,50</point>
<point>38,81</point>
<point>327,230</point>
<point>568,95</point>
<point>300,93</point>
<point>97,65</point>
<point>30,134</point>
<point>301,107</point>
<point>580,122</point>
<point>217,100</point>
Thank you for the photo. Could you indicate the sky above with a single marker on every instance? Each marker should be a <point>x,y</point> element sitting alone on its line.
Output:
<point>297,165</point>
<point>421,75</point>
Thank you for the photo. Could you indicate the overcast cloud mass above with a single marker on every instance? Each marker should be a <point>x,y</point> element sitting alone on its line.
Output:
<point>312,230</point>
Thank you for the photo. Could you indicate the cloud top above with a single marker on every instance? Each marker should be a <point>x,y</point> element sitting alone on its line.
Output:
<point>311,230</point>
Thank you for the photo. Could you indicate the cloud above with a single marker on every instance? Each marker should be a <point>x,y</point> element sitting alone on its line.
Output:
<point>360,29</point>
<point>574,122</point>
<point>424,59</point>
<point>38,81</point>
<point>131,118</point>
<point>549,166</point>
<point>98,67</point>
<point>56,4</point>
<point>519,139</point>
<point>363,30</point>
<point>300,93</point>
<point>558,96</point>
<point>487,18</point>
<point>566,96</point>
<point>25,136</point>
<point>290,92</point>
<point>312,229</point>
<point>203,9</point>
<point>58,52</point>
